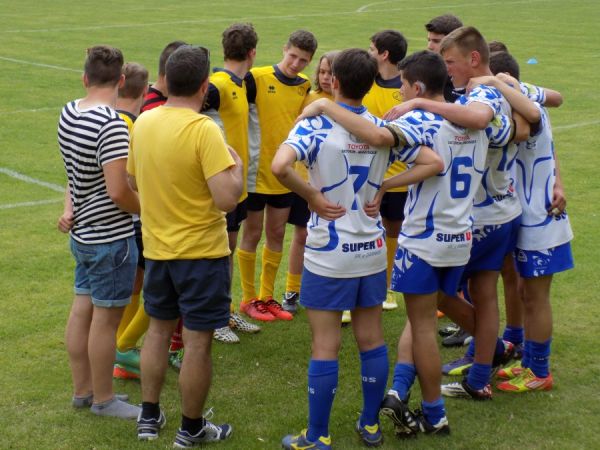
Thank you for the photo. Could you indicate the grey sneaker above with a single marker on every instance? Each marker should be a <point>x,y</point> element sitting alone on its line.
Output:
<point>116,408</point>
<point>237,322</point>
<point>86,402</point>
<point>226,335</point>
<point>209,433</point>
<point>290,302</point>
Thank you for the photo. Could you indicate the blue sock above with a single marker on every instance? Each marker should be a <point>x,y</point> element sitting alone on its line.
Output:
<point>374,367</point>
<point>471,349</point>
<point>479,375</point>
<point>322,383</point>
<point>404,378</point>
<point>539,358</point>
<point>513,334</point>
<point>433,411</point>
<point>526,359</point>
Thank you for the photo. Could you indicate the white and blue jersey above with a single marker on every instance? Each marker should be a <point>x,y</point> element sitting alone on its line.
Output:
<point>348,172</point>
<point>437,225</point>
<point>496,202</point>
<point>536,175</point>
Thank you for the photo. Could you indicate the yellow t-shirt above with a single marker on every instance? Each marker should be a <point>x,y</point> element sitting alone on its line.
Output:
<point>383,96</point>
<point>228,106</point>
<point>275,102</point>
<point>173,152</point>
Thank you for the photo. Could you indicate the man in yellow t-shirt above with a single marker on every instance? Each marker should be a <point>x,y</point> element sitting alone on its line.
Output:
<point>187,178</point>
<point>227,104</point>
<point>276,95</point>
<point>388,47</point>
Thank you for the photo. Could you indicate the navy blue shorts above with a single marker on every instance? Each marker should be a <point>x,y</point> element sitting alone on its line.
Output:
<point>237,216</point>
<point>197,290</point>
<point>413,275</point>
<point>299,212</point>
<point>392,205</point>
<point>257,202</point>
<point>339,294</point>
<point>538,263</point>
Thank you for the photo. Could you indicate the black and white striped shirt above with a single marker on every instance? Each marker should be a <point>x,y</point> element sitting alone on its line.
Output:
<point>88,139</point>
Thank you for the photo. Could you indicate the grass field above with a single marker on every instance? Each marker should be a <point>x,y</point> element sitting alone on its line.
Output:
<point>260,385</point>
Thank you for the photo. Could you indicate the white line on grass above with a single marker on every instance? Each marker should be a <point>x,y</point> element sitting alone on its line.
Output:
<point>262,18</point>
<point>27,179</point>
<point>31,63</point>
<point>576,125</point>
<point>24,204</point>
<point>34,110</point>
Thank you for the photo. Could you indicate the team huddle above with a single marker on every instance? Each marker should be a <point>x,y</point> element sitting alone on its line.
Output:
<point>427,175</point>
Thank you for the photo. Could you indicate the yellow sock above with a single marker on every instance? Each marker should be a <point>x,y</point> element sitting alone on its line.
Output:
<point>247,263</point>
<point>392,245</point>
<point>270,265</point>
<point>292,282</point>
<point>128,314</point>
<point>135,330</point>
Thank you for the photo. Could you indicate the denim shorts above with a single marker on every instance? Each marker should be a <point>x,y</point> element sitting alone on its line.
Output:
<point>339,294</point>
<point>197,290</point>
<point>105,272</point>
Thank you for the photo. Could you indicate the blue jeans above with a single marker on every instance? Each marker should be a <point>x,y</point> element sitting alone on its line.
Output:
<point>105,272</point>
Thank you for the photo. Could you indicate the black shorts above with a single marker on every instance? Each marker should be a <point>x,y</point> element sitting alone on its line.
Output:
<point>392,205</point>
<point>237,216</point>
<point>299,213</point>
<point>141,262</point>
<point>197,290</point>
<point>257,202</point>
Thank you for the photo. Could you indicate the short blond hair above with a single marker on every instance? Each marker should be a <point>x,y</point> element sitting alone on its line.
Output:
<point>136,80</point>
<point>466,40</point>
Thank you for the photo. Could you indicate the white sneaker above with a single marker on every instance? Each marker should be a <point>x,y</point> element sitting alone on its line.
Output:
<point>390,301</point>
<point>237,322</point>
<point>226,335</point>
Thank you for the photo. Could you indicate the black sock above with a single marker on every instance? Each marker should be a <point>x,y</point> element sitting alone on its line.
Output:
<point>150,410</point>
<point>192,426</point>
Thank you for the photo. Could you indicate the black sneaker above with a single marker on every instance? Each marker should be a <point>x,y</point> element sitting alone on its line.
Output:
<point>457,339</point>
<point>441,428</point>
<point>448,330</point>
<point>397,410</point>
<point>148,429</point>
<point>209,433</point>
<point>290,302</point>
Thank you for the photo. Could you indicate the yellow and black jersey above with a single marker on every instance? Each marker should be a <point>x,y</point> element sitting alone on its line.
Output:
<point>383,96</point>
<point>275,101</point>
<point>227,104</point>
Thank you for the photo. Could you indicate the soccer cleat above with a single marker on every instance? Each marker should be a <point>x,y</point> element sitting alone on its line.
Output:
<point>209,433</point>
<point>448,330</point>
<point>176,359</point>
<point>125,373</point>
<point>461,389</point>
<point>370,435</point>
<point>457,339</point>
<point>346,317</point>
<point>441,428</point>
<point>257,310</point>
<point>527,382</point>
<point>397,410</point>
<point>148,429</point>
<point>505,357</point>
<point>226,335</point>
<point>237,322</point>
<point>511,371</point>
<point>290,302</point>
<point>300,442</point>
<point>391,301</point>
<point>130,358</point>
<point>459,366</point>
<point>275,308</point>
<point>440,314</point>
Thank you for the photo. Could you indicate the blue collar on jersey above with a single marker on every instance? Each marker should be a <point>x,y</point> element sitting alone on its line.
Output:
<point>392,83</point>
<point>355,109</point>
<point>237,80</point>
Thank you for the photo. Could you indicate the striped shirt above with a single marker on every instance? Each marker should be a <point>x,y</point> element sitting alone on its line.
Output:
<point>88,139</point>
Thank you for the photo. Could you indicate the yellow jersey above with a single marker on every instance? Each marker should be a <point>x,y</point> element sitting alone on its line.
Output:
<point>227,105</point>
<point>173,152</point>
<point>383,96</point>
<point>275,102</point>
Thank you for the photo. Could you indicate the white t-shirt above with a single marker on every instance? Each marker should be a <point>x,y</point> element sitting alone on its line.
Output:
<point>349,173</point>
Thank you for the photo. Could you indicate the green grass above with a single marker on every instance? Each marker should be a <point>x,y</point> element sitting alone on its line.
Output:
<point>260,385</point>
